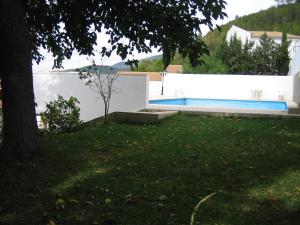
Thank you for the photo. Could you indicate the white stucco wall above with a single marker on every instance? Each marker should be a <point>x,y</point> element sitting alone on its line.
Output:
<point>131,95</point>
<point>295,59</point>
<point>241,34</point>
<point>256,40</point>
<point>154,89</point>
<point>226,86</point>
<point>297,88</point>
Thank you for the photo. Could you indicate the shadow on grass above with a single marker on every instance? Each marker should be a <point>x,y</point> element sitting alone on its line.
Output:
<point>156,174</point>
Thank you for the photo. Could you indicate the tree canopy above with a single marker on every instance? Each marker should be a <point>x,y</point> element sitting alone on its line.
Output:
<point>266,58</point>
<point>62,26</point>
<point>235,57</point>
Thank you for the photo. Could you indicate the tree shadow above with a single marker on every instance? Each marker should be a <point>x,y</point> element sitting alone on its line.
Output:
<point>159,183</point>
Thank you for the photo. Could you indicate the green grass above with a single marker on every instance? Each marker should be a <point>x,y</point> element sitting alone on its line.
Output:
<point>156,174</point>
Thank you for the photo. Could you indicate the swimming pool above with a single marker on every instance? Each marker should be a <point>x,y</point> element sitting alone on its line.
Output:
<point>223,103</point>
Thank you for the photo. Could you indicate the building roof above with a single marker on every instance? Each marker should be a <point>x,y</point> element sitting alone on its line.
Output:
<point>174,69</point>
<point>272,34</point>
<point>153,76</point>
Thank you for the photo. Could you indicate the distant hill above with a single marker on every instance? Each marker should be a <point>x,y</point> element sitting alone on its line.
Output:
<point>120,66</point>
<point>152,58</point>
<point>97,68</point>
<point>281,18</point>
<point>123,65</point>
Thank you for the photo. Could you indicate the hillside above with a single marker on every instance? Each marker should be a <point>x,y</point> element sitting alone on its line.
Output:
<point>281,18</point>
<point>123,65</point>
<point>120,66</point>
<point>103,69</point>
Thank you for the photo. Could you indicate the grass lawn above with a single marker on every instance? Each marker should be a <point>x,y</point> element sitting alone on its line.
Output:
<point>156,174</point>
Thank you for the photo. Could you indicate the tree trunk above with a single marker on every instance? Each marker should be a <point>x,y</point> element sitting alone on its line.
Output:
<point>19,117</point>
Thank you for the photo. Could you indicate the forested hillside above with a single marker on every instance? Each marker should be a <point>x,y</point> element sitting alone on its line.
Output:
<point>282,18</point>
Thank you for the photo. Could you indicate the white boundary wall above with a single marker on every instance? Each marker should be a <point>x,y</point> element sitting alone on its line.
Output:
<point>226,87</point>
<point>154,90</point>
<point>131,95</point>
<point>297,88</point>
<point>295,62</point>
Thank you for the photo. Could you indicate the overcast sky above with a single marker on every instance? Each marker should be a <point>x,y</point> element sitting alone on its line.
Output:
<point>234,8</point>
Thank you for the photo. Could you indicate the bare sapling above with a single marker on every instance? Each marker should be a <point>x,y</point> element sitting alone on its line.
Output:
<point>101,83</point>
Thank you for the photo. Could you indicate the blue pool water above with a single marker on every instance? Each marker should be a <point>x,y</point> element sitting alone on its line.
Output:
<point>223,103</point>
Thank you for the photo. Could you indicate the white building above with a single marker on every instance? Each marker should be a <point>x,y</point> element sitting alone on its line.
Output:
<point>254,36</point>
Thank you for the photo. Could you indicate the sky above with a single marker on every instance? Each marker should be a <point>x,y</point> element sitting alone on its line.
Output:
<point>234,8</point>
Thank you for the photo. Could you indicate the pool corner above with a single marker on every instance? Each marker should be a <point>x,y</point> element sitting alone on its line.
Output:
<point>293,107</point>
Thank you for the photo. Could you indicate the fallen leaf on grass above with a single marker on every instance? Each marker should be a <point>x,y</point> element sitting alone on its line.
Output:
<point>100,171</point>
<point>74,201</point>
<point>33,195</point>
<point>188,146</point>
<point>129,199</point>
<point>297,189</point>
<point>161,205</point>
<point>60,204</point>
<point>107,201</point>
<point>89,202</point>
<point>127,196</point>
<point>193,156</point>
<point>162,197</point>
<point>51,222</point>
<point>263,177</point>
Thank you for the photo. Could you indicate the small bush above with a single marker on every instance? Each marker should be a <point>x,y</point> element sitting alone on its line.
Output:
<point>62,115</point>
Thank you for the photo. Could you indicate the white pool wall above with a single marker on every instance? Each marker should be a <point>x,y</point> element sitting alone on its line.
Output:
<point>244,87</point>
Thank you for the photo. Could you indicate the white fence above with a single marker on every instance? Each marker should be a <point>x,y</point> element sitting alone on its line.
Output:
<point>131,95</point>
<point>228,87</point>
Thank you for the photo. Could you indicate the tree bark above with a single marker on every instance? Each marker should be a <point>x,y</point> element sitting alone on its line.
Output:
<point>19,117</point>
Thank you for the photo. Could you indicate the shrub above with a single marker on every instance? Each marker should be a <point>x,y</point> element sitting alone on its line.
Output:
<point>62,115</point>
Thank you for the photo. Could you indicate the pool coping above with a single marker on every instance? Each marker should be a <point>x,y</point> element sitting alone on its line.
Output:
<point>289,104</point>
<point>225,112</point>
<point>143,116</point>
